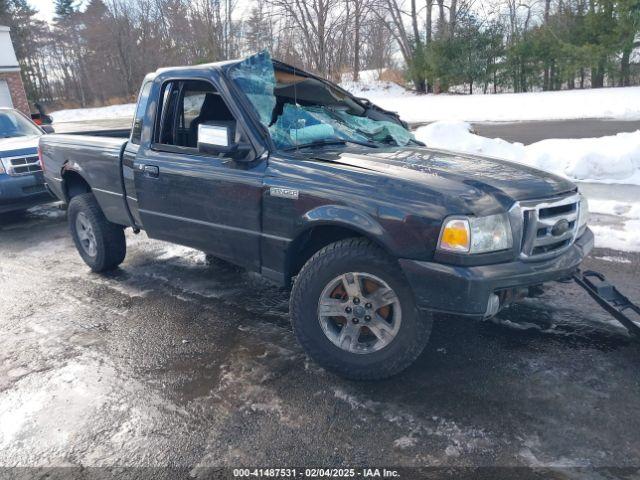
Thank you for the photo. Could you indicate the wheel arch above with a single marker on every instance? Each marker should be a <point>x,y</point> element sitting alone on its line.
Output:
<point>328,224</point>
<point>73,183</point>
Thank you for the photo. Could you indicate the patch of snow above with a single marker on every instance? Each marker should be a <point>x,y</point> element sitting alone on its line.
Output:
<point>369,85</point>
<point>272,406</point>
<point>626,239</point>
<point>120,286</point>
<point>452,451</point>
<point>405,442</point>
<point>48,211</point>
<point>613,207</point>
<point>179,251</point>
<point>504,322</point>
<point>81,114</point>
<point>607,258</point>
<point>563,462</point>
<point>353,402</point>
<point>365,76</point>
<point>376,89</point>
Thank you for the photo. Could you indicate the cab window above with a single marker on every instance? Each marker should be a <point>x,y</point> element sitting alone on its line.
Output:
<point>136,129</point>
<point>186,104</point>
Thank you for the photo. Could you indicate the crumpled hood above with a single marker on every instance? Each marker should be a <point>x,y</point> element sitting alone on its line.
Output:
<point>10,147</point>
<point>460,175</point>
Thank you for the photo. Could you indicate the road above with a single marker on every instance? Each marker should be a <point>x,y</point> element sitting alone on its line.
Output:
<point>524,132</point>
<point>531,132</point>
<point>171,361</point>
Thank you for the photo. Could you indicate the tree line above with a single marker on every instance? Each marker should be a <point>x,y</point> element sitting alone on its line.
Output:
<point>98,52</point>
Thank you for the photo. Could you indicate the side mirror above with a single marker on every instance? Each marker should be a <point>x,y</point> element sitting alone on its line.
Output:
<point>47,129</point>
<point>217,140</point>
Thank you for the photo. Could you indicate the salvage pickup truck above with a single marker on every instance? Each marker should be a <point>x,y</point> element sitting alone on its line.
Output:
<point>286,174</point>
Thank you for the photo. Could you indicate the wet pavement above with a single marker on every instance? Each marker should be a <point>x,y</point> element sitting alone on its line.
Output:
<point>172,361</point>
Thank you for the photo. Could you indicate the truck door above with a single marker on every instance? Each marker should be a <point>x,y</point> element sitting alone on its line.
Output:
<point>184,196</point>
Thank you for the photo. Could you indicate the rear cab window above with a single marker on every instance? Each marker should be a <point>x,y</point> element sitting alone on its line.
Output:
<point>141,108</point>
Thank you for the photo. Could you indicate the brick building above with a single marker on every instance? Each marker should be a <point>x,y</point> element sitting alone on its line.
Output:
<point>12,92</point>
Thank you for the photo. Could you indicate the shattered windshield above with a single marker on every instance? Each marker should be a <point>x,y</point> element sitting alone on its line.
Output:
<point>300,111</point>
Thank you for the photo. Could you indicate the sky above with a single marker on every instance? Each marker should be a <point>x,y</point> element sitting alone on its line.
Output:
<point>45,8</point>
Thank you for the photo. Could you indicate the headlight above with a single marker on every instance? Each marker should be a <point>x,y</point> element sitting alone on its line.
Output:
<point>583,212</point>
<point>476,234</point>
<point>2,170</point>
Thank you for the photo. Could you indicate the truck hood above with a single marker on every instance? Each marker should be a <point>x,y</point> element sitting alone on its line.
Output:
<point>10,147</point>
<point>458,174</point>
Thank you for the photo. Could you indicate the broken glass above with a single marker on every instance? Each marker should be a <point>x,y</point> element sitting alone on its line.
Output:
<point>301,125</point>
<point>256,78</point>
<point>377,130</point>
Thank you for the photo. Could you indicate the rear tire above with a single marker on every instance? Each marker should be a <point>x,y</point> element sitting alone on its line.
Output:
<point>322,336</point>
<point>101,244</point>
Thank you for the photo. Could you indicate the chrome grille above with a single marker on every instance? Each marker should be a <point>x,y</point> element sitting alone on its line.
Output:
<point>22,165</point>
<point>549,227</point>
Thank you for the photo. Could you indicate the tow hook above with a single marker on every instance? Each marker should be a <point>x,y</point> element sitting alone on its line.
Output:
<point>610,299</point>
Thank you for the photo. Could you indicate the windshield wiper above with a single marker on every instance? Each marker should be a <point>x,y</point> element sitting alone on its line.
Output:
<point>337,141</point>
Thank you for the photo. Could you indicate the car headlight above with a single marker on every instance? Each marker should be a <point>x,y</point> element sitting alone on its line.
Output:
<point>583,213</point>
<point>476,234</point>
<point>2,169</point>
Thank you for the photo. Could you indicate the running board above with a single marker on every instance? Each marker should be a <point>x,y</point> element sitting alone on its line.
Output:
<point>610,299</point>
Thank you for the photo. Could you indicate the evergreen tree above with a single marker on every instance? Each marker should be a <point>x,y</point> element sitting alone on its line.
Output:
<point>259,34</point>
<point>64,8</point>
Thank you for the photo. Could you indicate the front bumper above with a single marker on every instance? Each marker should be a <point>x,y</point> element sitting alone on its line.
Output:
<point>18,193</point>
<point>467,290</point>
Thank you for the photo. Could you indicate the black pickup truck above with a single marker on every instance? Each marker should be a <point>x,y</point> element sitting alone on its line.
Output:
<point>286,174</point>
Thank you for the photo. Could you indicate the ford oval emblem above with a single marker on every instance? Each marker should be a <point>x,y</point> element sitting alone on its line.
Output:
<point>560,228</point>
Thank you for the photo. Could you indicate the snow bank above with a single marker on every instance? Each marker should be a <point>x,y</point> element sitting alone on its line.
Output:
<point>619,103</point>
<point>613,159</point>
<point>82,114</point>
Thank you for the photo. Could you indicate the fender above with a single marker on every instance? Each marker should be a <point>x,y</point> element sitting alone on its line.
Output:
<point>350,218</point>
<point>111,204</point>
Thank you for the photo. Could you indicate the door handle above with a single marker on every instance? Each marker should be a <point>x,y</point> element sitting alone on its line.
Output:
<point>151,170</point>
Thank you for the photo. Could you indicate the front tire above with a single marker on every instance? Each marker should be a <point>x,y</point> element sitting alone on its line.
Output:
<point>101,244</point>
<point>353,312</point>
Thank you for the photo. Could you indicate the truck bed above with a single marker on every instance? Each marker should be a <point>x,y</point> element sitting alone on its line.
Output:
<point>97,158</point>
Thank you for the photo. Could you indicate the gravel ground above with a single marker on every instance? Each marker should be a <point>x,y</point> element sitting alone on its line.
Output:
<point>171,361</point>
